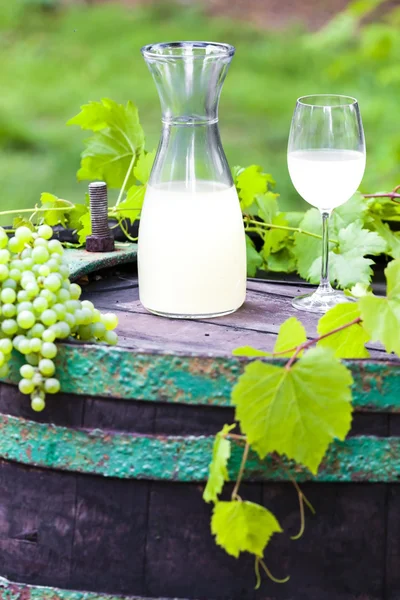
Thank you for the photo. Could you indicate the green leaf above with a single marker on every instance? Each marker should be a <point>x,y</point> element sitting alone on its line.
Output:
<point>20,221</point>
<point>117,141</point>
<point>74,216</point>
<point>354,240</point>
<point>132,205</point>
<point>282,261</point>
<point>267,206</point>
<point>381,316</point>
<point>274,239</point>
<point>350,342</point>
<point>352,210</point>
<point>254,260</point>
<point>54,217</point>
<point>251,182</point>
<point>218,472</point>
<point>86,228</point>
<point>143,166</point>
<point>346,269</point>
<point>296,412</point>
<point>307,249</point>
<point>249,351</point>
<point>243,527</point>
<point>392,239</point>
<point>291,334</point>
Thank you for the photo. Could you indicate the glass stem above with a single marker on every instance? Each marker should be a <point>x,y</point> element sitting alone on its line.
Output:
<point>325,283</point>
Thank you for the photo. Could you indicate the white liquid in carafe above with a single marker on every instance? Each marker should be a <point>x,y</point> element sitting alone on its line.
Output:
<point>192,251</point>
<point>326,178</point>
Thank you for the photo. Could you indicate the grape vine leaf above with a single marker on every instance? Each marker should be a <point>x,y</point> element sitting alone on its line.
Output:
<point>143,166</point>
<point>249,351</point>
<point>291,334</point>
<point>74,216</point>
<point>116,143</point>
<point>54,217</point>
<point>350,342</point>
<point>282,261</point>
<point>353,239</point>
<point>254,260</point>
<point>250,182</point>
<point>86,228</point>
<point>267,206</point>
<point>132,205</point>
<point>243,527</point>
<point>218,472</point>
<point>352,210</point>
<point>392,239</point>
<point>21,222</point>
<point>296,412</point>
<point>381,316</point>
<point>274,239</point>
<point>306,248</point>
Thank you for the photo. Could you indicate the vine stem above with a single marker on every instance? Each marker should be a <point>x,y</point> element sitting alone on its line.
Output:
<point>393,195</point>
<point>33,210</point>
<point>287,228</point>
<point>241,471</point>
<point>305,345</point>
<point>128,174</point>
<point>268,572</point>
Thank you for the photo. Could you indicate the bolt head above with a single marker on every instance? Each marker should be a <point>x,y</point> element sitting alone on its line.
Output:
<point>99,244</point>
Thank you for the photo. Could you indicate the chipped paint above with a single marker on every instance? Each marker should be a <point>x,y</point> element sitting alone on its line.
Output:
<point>183,459</point>
<point>112,372</point>
<point>20,591</point>
<point>81,262</point>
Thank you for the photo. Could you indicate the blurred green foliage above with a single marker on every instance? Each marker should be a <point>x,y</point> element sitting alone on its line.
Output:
<point>55,59</point>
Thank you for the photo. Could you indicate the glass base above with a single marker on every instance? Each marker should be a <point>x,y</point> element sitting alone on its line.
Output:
<point>320,301</point>
<point>200,316</point>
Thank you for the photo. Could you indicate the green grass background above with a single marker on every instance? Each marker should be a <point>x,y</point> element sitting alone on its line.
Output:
<point>54,61</point>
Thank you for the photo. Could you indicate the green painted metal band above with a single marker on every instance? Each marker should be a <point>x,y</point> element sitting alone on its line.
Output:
<point>183,459</point>
<point>114,372</point>
<point>81,262</point>
<point>20,591</point>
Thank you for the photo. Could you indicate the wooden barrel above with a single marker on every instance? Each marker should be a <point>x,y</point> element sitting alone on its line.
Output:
<point>101,494</point>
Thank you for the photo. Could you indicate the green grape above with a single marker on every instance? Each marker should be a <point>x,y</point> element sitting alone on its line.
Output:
<point>52,385</point>
<point>64,271</point>
<point>27,371</point>
<point>63,295</point>
<point>9,326</point>
<point>50,297</point>
<point>72,305</point>
<point>9,283</point>
<point>111,338</point>
<point>48,317</point>
<point>49,350</point>
<point>22,296</point>
<point>88,304</point>
<point>46,367</point>
<point>70,320</point>
<point>26,386</point>
<point>86,315</point>
<point>85,332</point>
<point>32,290</point>
<point>6,345</point>
<point>4,370</point>
<point>36,330</point>
<point>40,255</point>
<point>61,329</point>
<point>35,345</point>
<point>32,359</point>
<point>56,246</point>
<point>9,310</point>
<point>24,234</point>
<point>16,263</point>
<point>40,242</point>
<point>37,403</point>
<point>96,316</point>
<point>44,270</point>
<point>35,270</point>
<point>26,319</point>
<point>16,341</point>
<point>75,291</point>
<point>8,295</point>
<point>99,330</point>
<point>27,263</point>
<point>40,304</point>
<point>3,272</point>
<point>3,238</point>
<point>53,265</point>
<point>2,359</point>
<point>15,274</point>
<point>26,253</point>
<point>15,245</point>
<point>4,257</point>
<point>45,232</point>
<point>37,379</point>
<point>24,346</point>
<point>48,335</point>
<point>52,282</point>
<point>24,306</point>
<point>60,310</point>
<point>109,320</point>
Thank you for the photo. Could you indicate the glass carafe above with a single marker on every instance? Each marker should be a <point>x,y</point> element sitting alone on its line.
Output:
<point>192,251</point>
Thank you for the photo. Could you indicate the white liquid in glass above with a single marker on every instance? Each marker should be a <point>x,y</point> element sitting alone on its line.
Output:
<point>326,178</point>
<point>192,250</point>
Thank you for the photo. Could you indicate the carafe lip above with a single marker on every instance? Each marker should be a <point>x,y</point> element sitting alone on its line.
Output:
<point>175,50</point>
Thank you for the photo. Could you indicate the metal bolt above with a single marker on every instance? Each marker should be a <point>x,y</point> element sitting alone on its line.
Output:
<point>101,239</point>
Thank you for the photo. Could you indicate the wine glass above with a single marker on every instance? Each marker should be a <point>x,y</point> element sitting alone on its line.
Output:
<point>326,161</point>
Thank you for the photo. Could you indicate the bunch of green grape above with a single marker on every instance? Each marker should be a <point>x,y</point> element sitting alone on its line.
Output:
<point>38,306</point>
